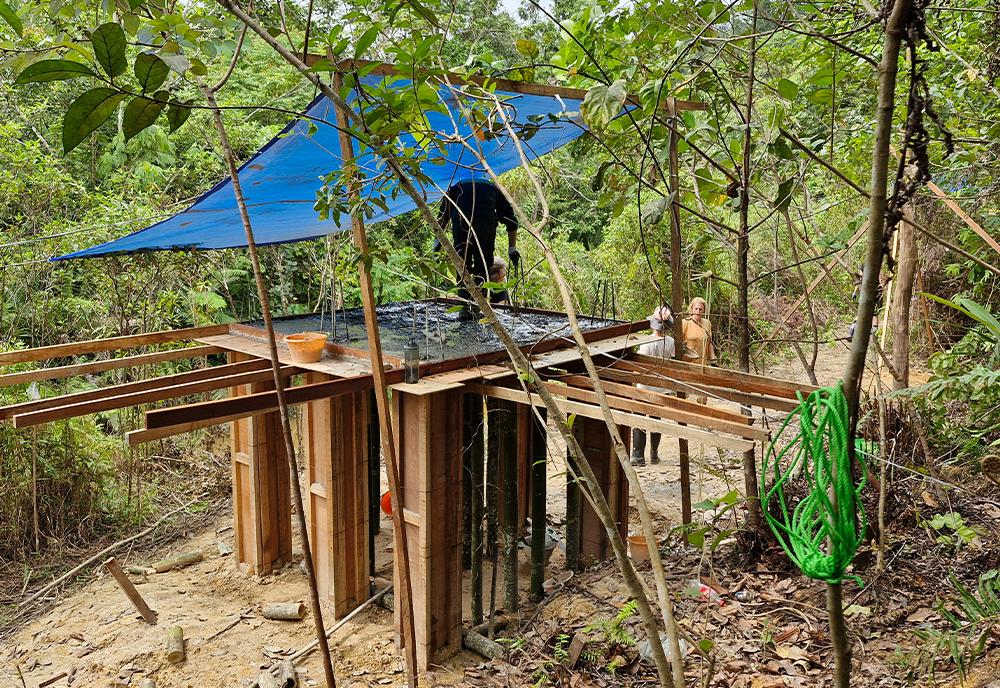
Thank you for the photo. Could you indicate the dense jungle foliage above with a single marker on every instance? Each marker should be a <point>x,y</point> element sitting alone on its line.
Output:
<point>811,101</point>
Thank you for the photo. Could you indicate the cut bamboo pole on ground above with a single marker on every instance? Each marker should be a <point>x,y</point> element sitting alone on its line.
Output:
<point>175,645</point>
<point>285,611</point>
<point>178,561</point>
<point>133,595</point>
<point>381,389</point>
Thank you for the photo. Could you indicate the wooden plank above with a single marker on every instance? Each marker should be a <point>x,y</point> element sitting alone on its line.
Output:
<point>621,417</point>
<point>137,437</point>
<point>205,413</point>
<point>144,397</point>
<point>665,413</point>
<point>525,87</point>
<point>722,377</point>
<point>110,344</point>
<point>133,595</point>
<point>630,391</point>
<point>975,226</point>
<point>747,399</point>
<point>130,387</point>
<point>339,367</point>
<point>92,367</point>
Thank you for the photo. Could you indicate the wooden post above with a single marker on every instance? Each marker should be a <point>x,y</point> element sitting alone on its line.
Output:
<point>593,545</point>
<point>676,295</point>
<point>262,511</point>
<point>335,438</point>
<point>510,443</point>
<point>404,601</point>
<point>574,501</point>
<point>539,462</point>
<point>374,480</point>
<point>474,443</point>
<point>431,506</point>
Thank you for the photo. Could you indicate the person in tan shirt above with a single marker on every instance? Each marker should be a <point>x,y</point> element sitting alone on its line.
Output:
<point>696,331</point>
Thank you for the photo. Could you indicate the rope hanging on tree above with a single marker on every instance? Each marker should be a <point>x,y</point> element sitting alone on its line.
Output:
<point>819,534</point>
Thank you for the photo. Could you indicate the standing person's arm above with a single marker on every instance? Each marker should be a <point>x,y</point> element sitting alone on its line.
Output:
<point>505,214</point>
<point>444,214</point>
<point>711,343</point>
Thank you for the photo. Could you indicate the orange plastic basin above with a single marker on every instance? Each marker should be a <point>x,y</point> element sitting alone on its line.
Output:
<point>306,347</point>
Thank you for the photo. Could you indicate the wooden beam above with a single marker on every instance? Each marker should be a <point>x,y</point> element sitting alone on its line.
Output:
<point>92,367</point>
<point>955,208</point>
<point>205,413</point>
<point>659,398</point>
<point>145,397</point>
<point>127,388</point>
<point>721,377</point>
<point>621,417</point>
<point>654,380</point>
<point>525,87</point>
<point>110,344</point>
<point>137,437</point>
<point>825,274</point>
<point>656,411</point>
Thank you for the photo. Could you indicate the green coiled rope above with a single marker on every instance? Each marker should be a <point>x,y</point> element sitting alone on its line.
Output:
<point>819,537</point>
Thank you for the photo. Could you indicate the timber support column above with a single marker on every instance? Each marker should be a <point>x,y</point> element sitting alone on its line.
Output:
<point>335,438</point>
<point>592,544</point>
<point>262,509</point>
<point>428,434</point>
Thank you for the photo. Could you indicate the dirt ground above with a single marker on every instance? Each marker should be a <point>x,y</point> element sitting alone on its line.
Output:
<point>765,623</point>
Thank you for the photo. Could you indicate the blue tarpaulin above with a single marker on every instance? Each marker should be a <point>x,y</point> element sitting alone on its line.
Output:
<point>280,182</point>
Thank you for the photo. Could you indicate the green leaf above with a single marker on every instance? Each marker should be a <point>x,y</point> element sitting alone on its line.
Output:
<point>135,4</point>
<point>784,197</point>
<point>789,90</point>
<point>177,115</point>
<point>139,114</point>
<point>109,48</point>
<point>53,70</point>
<point>527,47</point>
<point>706,645</point>
<point>366,40</point>
<point>150,71</point>
<point>198,67</point>
<point>10,16</point>
<point>603,103</point>
<point>89,111</point>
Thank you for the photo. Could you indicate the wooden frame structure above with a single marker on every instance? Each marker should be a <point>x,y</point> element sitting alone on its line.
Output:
<point>427,433</point>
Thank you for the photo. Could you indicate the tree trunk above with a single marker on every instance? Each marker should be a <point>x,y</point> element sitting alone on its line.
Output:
<point>906,263</point>
<point>887,69</point>
<point>754,516</point>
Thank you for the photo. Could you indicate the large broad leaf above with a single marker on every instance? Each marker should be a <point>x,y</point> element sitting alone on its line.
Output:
<point>89,111</point>
<point>10,16</point>
<point>603,103</point>
<point>366,40</point>
<point>53,70</point>
<point>139,114</point>
<point>177,115</point>
<point>150,71</point>
<point>109,48</point>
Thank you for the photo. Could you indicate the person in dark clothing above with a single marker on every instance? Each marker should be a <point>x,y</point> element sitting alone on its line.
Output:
<point>475,208</point>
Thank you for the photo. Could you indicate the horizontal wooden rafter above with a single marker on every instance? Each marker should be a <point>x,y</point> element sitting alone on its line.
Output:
<point>656,380</point>
<point>111,344</point>
<point>654,397</point>
<point>225,410</point>
<point>130,387</point>
<point>92,367</point>
<point>525,87</point>
<point>661,412</point>
<point>631,420</point>
<point>719,377</point>
<point>146,397</point>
